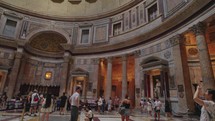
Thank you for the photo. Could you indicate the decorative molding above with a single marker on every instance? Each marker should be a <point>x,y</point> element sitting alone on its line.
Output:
<point>13,14</point>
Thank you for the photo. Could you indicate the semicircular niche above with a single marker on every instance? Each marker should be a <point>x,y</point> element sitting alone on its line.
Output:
<point>48,42</point>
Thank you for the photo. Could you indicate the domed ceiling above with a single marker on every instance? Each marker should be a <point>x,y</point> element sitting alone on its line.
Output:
<point>69,8</point>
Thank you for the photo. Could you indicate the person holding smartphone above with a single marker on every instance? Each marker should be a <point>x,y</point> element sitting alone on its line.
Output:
<point>208,104</point>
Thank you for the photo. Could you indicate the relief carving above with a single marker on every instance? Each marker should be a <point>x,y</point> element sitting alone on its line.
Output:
<point>193,51</point>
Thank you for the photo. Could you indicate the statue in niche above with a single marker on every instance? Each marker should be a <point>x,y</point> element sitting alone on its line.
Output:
<point>157,88</point>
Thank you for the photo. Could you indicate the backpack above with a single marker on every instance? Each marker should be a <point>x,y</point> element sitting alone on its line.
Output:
<point>36,98</point>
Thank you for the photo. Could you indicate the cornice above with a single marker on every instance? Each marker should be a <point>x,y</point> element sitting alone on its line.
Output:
<point>10,43</point>
<point>169,25</point>
<point>72,19</point>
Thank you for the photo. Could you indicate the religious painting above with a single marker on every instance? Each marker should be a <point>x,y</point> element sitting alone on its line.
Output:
<point>48,75</point>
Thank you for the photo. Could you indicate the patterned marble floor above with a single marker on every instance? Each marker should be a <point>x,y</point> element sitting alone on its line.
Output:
<point>113,116</point>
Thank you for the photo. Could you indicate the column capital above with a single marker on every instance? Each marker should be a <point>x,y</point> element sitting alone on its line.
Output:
<point>177,39</point>
<point>198,29</point>
<point>18,55</point>
<point>124,57</point>
<point>95,61</point>
<point>67,59</point>
<point>137,53</point>
<point>109,59</point>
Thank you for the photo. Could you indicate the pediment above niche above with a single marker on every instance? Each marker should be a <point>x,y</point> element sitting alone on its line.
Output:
<point>79,72</point>
<point>48,42</point>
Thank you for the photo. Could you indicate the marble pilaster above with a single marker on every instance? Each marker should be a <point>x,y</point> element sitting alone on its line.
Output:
<point>20,76</point>
<point>124,76</point>
<point>108,88</point>
<point>14,74</point>
<point>204,57</point>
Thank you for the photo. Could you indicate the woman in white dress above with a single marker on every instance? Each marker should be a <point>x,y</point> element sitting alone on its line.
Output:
<point>149,107</point>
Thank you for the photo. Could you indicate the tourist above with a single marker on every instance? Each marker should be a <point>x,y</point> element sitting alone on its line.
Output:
<point>63,100</point>
<point>157,108</point>
<point>74,101</point>
<point>100,104</point>
<point>149,107</point>
<point>47,105</point>
<point>109,104</point>
<point>208,105</point>
<point>28,103</point>
<point>126,103</point>
<point>116,103</point>
<point>34,102</point>
<point>88,114</point>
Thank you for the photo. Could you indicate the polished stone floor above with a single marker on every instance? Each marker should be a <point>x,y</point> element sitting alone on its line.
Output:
<point>107,116</point>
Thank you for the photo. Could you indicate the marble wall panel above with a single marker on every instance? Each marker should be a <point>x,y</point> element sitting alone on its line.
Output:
<point>126,20</point>
<point>100,33</point>
<point>133,17</point>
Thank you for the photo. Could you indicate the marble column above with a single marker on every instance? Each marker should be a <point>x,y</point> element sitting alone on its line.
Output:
<point>138,78</point>
<point>108,85</point>
<point>181,75</point>
<point>124,76</point>
<point>95,77</point>
<point>14,74</point>
<point>20,76</point>
<point>204,57</point>
<point>64,74</point>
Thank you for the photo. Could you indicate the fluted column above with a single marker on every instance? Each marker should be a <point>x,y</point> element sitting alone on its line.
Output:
<point>64,73</point>
<point>124,76</point>
<point>204,57</point>
<point>14,73</point>
<point>108,88</point>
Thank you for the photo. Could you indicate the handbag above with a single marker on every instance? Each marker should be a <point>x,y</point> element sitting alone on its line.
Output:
<point>122,110</point>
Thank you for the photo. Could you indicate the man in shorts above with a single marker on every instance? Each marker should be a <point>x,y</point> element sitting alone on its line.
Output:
<point>34,102</point>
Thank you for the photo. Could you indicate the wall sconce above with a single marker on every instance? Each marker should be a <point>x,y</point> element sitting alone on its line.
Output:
<point>48,75</point>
